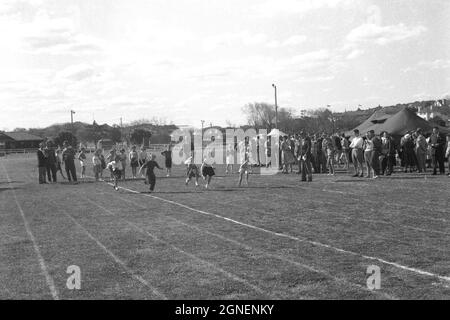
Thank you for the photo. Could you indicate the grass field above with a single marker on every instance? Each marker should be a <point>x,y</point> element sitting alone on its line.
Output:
<point>277,239</point>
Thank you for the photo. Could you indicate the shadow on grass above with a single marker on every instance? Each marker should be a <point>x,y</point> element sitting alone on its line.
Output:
<point>9,189</point>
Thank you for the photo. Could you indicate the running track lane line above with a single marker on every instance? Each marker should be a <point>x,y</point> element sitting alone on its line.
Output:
<point>275,256</point>
<point>48,278</point>
<point>319,244</point>
<point>190,255</point>
<point>115,258</point>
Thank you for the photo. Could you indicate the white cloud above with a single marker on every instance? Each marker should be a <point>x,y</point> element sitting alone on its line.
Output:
<point>271,8</point>
<point>382,35</point>
<point>77,72</point>
<point>355,53</point>
<point>294,40</point>
<point>229,39</point>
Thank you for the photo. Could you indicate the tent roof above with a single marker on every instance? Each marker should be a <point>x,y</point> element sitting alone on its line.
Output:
<point>397,124</point>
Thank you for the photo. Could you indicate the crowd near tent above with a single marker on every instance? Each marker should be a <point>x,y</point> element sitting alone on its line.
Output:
<point>397,124</point>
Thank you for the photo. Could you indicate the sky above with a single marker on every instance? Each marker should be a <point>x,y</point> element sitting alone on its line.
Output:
<point>184,61</point>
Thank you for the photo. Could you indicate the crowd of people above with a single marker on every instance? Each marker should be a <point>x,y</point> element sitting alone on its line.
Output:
<point>371,155</point>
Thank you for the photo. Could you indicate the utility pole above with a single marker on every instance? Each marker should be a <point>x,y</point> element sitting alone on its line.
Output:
<point>71,119</point>
<point>276,106</point>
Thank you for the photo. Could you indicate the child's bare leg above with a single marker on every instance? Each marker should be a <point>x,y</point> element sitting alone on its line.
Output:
<point>241,174</point>
<point>246,178</point>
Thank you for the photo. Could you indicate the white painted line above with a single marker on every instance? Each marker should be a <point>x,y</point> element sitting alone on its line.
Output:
<point>190,255</point>
<point>115,258</point>
<point>44,269</point>
<point>275,256</point>
<point>282,235</point>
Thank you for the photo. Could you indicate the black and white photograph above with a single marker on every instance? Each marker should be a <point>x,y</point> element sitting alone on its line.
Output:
<point>224,156</point>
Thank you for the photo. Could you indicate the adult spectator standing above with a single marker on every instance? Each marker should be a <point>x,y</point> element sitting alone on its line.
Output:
<point>357,147</point>
<point>376,151</point>
<point>68,155</point>
<point>387,157</point>
<point>51,161</point>
<point>447,153</point>
<point>437,144</point>
<point>314,153</point>
<point>305,157</point>
<point>421,151</point>
<point>41,163</point>
<point>320,163</point>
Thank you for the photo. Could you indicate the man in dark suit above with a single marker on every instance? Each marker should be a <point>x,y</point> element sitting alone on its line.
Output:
<point>375,157</point>
<point>68,155</point>
<point>437,143</point>
<point>305,157</point>
<point>41,163</point>
<point>51,161</point>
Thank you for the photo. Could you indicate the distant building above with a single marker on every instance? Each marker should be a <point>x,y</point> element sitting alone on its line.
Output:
<point>19,140</point>
<point>430,111</point>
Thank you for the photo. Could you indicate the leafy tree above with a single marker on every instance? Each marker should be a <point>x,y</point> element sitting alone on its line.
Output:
<point>140,136</point>
<point>66,136</point>
<point>116,134</point>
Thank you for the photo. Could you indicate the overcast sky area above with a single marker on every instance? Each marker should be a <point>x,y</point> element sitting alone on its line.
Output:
<point>187,60</point>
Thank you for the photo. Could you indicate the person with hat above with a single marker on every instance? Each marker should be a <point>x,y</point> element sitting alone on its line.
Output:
<point>437,144</point>
<point>421,151</point>
<point>42,161</point>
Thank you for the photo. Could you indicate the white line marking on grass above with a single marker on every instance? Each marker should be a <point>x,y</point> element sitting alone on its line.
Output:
<point>115,258</point>
<point>275,256</point>
<point>190,255</point>
<point>282,235</point>
<point>44,269</point>
<point>333,219</point>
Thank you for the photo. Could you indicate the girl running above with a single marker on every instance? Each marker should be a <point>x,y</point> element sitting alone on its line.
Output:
<point>134,161</point>
<point>150,166</point>
<point>123,158</point>
<point>192,171</point>
<point>207,171</point>
<point>168,155</point>
<point>97,162</point>
<point>116,170</point>
<point>244,170</point>
<point>82,158</point>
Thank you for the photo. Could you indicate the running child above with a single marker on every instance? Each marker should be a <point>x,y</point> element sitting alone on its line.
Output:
<point>168,155</point>
<point>150,165</point>
<point>97,162</point>
<point>82,158</point>
<point>142,158</point>
<point>207,171</point>
<point>244,170</point>
<point>134,161</point>
<point>192,171</point>
<point>123,159</point>
<point>116,168</point>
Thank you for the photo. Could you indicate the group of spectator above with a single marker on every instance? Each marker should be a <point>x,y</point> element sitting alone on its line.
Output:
<point>371,155</point>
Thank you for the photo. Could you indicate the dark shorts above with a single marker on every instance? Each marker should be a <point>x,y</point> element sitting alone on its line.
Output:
<point>134,163</point>
<point>168,163</point>
<point>208,171</point>
<point>117,174</point>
